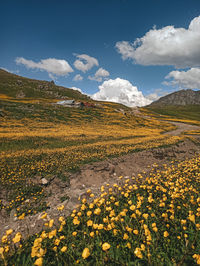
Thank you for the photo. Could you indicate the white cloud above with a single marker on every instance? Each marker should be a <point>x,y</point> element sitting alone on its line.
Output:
<point>156,94</point>
<point>11,71</point>
<point>121,91</point>
<point>189,79</point>
<point>51,65</point>
<point>76,89</point>
<point>85,62</point>
<point>78,77</point>
<point>166,46</point>
<point>99,75</point>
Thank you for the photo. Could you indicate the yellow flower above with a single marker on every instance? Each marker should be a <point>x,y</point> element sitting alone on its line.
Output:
<point>51,223</point>
<point>183,221</point>
<point>155,229</point>
<point>17,238</point>
<point>125,237</point>
<point>21,217</point>
<point>132,207</point>
<point>100,226</point>
<point>1,252</point>
<point>84,200</point>
<point>83,207</point>
<point>60,208</point>
<point>38,262</point>
<point>43,235</point>
<point>55,248</point>
<point>117,203</point>
<point>92,234</point>
<point>166,234</point>
<point>138,253</point>
<point>135,232</point>
<point>197,257</point>
<point>76,221</point>
<point>57,242</point>
<point>9,232</point>
<point>97,211</point>
<point>128,245</point>
<point>74,233</point>
<point>52,234</point>
<point>44,216</point>
<point>192,218</point>
<point>4,239</point>
<point>89,223</point>
<point>145,215</point>
<point>86,253</point>
<point>105,246</point>
<point>63,249</point>
<point>89,213</point>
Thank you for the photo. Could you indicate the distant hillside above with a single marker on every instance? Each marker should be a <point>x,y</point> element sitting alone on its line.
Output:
<point>182,97</point>
<point>19,87</point>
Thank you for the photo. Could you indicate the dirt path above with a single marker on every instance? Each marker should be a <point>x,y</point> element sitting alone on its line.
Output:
<point>93,175</point>
<point>181,127</point>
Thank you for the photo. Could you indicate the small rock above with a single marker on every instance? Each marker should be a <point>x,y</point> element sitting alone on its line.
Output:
<point>12,214</point>
<point>44,181</point>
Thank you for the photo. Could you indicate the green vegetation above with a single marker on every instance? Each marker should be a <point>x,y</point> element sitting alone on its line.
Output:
<point>191,112</point>
<point>151,222</point>
<point>20,87</point>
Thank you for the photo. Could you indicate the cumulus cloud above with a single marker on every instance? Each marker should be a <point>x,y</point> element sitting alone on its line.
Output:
<point>51,65</point>
<point>76,89</point>
<point>166,46</point>
<point>121,91</point>
<point>189,79</point>
<point>78,77</point>
<point>156,94</point>
<point>85,62</point>
<point>99,75</point>
<point>11,71</point>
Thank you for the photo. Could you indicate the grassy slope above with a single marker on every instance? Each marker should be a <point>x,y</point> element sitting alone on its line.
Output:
<point>191,112</point>
<point>11,85</point>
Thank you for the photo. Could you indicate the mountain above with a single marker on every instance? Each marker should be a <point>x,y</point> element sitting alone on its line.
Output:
<point>16,86</point>
<point>182,97</point>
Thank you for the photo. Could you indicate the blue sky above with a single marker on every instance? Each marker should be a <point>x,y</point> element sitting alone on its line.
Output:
<point>104,30</point>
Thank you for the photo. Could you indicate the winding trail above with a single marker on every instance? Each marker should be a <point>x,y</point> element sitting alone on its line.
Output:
<point>181,127</point>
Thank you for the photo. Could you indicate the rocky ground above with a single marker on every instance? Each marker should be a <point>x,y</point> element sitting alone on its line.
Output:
<point>92,176</point>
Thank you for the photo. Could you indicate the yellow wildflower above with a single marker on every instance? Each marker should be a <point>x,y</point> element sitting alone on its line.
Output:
<point>85,253</point>
<point>17,238</point>
<point>105,246</point>
<point>63,249</point>
<point>9,232</point>
<point>38,262</point>
<point>166,234</point>
<point>60,208</point>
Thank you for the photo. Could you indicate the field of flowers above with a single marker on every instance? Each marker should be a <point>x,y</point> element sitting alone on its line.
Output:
<point>41,139</point>
<point>150,219</point>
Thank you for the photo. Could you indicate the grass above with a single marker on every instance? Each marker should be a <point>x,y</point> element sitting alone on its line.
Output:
<point>41,138</point>
<point>151,219</point>
<point>13,85</point>
<point>189,112</point>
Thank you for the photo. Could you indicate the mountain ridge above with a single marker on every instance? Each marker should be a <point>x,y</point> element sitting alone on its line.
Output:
<point>182,97</point>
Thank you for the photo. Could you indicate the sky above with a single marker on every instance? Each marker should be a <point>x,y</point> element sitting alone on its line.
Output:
<point>124,51</point>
